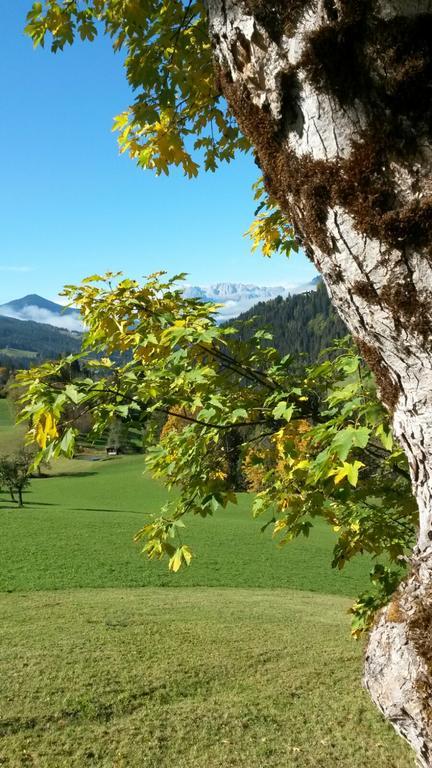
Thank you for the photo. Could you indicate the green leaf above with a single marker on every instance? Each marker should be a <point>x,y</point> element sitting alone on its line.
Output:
<point>73,394</point>
<point>349,438</point>
<point>239,413</point>
<point>283,410</point>
<point>353,472</point>
<point>386,437</point>
<point>68,442</point>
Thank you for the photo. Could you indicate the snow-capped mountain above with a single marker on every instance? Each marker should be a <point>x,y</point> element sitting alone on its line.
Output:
<point>238,297</point>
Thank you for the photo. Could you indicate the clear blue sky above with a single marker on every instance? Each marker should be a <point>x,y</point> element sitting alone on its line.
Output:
<point>70,205</point>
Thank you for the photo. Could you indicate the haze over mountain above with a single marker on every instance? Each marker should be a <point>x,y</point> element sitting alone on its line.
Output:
<point>36,309</point>
<point>239,297</point>
<point>236,298</point>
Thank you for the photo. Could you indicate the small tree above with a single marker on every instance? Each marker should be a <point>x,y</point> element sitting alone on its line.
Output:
<point>15,474</point>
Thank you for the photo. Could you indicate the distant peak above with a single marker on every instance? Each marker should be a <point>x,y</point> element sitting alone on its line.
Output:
<point>34,300</point>
<point>239,297</point>
<point>36,309</point>
<point>32,297</point>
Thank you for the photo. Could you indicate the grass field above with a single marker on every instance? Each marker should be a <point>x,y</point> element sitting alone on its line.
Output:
<point>95,670</point>
<point>22,353</point>
<point>77,531</point>
<point>192,678</point>
<point>11,436</point>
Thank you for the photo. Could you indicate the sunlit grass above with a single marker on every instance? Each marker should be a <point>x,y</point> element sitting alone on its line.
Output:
<point>77,530</point>
<point>194,678</point>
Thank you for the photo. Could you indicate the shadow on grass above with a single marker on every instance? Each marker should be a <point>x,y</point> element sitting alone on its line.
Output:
<point>65,474</point>
<point>28,504</point>
<point>106,509</point>
<point>87,709</point>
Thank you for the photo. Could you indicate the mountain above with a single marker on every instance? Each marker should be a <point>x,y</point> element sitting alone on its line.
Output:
<point>39,310</point>
<point>302,324</point>
<point>239,297</point>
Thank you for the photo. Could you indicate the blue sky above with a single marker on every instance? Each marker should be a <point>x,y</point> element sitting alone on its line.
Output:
<point>70,205</point>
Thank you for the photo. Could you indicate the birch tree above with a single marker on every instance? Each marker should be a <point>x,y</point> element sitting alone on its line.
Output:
<point>334,97</point>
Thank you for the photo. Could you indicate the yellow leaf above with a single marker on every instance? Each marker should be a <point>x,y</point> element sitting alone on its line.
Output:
<point>175,561</point>
<point>279,526</point>
<point>187,554</point>
<point>46,429</point>
<point>180,556</point>
<point>340,474</point>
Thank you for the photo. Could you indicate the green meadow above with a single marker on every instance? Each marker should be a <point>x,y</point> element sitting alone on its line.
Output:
<point>11,436</point>
<point>242,660</point>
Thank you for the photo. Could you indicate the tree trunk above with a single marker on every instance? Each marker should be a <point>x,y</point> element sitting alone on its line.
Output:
<point>335,97</point>
<point>20,498</point>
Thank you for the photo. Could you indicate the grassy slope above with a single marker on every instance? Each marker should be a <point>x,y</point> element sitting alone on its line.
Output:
<point>77,531</point>
<point>185,678</point>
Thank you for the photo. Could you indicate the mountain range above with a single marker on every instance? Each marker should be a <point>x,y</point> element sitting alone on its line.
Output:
<point>239,297</point>
<point>33,328</point>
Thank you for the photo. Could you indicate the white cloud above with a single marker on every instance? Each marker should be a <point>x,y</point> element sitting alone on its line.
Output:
<point>16,269</point>
<point>39,315</point>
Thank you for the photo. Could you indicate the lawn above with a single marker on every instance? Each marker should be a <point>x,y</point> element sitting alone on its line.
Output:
<point>252,668</point>
<point>192,678</point>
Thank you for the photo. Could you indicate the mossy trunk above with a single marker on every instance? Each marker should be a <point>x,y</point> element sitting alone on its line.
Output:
<point>335,97</point>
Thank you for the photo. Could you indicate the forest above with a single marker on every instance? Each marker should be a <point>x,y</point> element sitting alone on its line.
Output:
<point>24,341</point>
<point>303,324</point>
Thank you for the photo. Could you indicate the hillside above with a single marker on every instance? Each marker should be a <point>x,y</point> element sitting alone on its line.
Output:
<point>305,323</point>
<point>23,342</point>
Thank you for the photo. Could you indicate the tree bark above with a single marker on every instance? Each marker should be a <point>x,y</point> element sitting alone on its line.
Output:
<point>335,97</point>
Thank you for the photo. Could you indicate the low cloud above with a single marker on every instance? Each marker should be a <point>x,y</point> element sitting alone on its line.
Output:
<point>16,269</point>
<point>232,309</point>
<point>39,315</point>
<point>236,298</point>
